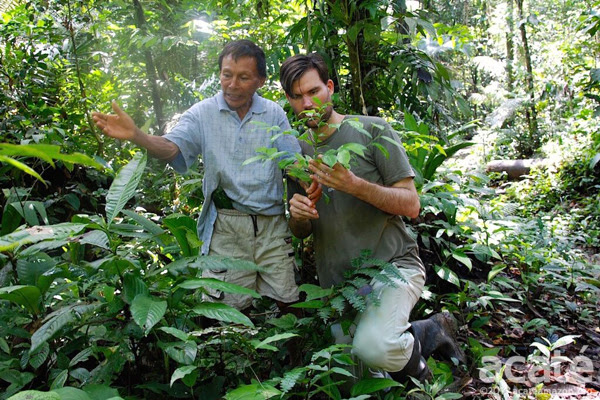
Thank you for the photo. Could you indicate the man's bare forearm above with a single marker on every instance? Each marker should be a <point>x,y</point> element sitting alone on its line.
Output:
<point>400,199</point>
<point>157,146</point>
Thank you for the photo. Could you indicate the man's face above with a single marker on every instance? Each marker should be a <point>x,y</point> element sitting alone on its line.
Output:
<point>311,98</point>
<point>239,81</point>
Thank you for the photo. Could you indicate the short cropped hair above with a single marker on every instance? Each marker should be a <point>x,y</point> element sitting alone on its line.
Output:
<point>294,67</point>
<point>245,48</point>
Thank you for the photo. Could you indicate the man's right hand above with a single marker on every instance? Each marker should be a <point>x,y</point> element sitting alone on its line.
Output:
<point>118,125</point>
<point>302,208</point>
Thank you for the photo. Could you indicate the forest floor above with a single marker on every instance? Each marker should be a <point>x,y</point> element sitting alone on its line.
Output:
<point>573,373</point>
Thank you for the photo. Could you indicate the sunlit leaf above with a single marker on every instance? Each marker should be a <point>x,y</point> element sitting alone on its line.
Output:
<point>147,312</point>
<point>124,186</point>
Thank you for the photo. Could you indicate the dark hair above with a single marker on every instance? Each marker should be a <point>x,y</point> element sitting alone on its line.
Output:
<point>294,67</point>
<point>245,48</point>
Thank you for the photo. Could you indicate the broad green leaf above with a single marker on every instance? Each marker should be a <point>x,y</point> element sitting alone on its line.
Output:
<point>37,234</point>
<point>255,391</point>
<point>81,374</point>
<point>31,271</point>
<point>147,312</point>
<point>541,347</point>
<point>449,396</point>
<point>95,238</point>
<point>4,346</point>
<point>181,226</point>
<point>29,210</point>
<point>410,123</point>
<point>82,356</point>
<point>314,291</point>
<point>60,379</point>
<point>182,352</point>
<point>124,185</point>
<point>594,161</point>
<point>132,287</point>
<point>222,312</point>
<point>54,322</point>
<point>101,392</point>
<point>47,153</point>
<point>447,274</point>
<point>565,340</point>
<point>35,395</point>
<point>343,157</point>
<point>309,304</point>
<point>148,225</point>
<point>274,338</point>
<point>370,385</point>
<point>495,271</point>
<point>460,256</point>
<point>23,167</point>
<point>71,393</point>
<point>217,285</point>
<point>28,296</point>
<point>43,246</point>
<point>179,334</point>
<point>181,372</point>
<point>37,358</point>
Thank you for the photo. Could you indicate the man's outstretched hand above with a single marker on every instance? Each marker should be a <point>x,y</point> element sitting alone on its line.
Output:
<point>118,125</point>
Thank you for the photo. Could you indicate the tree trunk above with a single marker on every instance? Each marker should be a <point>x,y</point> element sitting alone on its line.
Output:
<point>510,45</point>
<point>530,112</point>
<point>140,22</point>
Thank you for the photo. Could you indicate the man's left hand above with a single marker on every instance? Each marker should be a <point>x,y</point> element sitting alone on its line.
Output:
<point>337,177</point>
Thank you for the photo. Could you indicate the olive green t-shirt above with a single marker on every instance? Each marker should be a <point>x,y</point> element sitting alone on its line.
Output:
<point>348,225</point>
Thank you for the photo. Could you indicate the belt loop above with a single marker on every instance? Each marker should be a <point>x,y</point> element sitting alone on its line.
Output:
<point>254,223</point>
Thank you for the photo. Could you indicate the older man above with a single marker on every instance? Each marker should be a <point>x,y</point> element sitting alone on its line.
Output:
<point>243,216</point>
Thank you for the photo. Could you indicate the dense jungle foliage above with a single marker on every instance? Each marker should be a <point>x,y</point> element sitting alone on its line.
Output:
<point>100,288</point>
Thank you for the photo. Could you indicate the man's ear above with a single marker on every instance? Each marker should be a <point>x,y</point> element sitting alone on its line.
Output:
<point>330,86</point>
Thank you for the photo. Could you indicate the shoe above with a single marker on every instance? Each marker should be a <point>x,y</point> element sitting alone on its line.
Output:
<point>437,335</point>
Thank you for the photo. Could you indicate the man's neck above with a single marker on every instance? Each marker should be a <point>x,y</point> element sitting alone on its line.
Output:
<point>327,129</point>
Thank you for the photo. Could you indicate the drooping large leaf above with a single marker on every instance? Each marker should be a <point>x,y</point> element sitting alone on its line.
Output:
<point>35,395</point>
<point>46,152</point>
<point>37,234</point>
<point>147,224</point>
<point>147,312</point>
<point>184,230</point>
<point>28,296</point>
<point>101,392</point>
<point>29,210</point>
<point>31,271</point>
<point>54,322</point>
<point>222,312</point>
<point>181,372</point>
<point>23,167</point>
<point>71,393</point>
<point>132,287</point>
<point>124,185</point>
<point>182,352</point>
<point>95,238</point>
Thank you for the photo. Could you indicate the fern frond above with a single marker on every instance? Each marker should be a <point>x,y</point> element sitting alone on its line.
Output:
<point>338,304</point>
<point>356,300</point>
<point>325,313</point>
<point>291,378</point>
